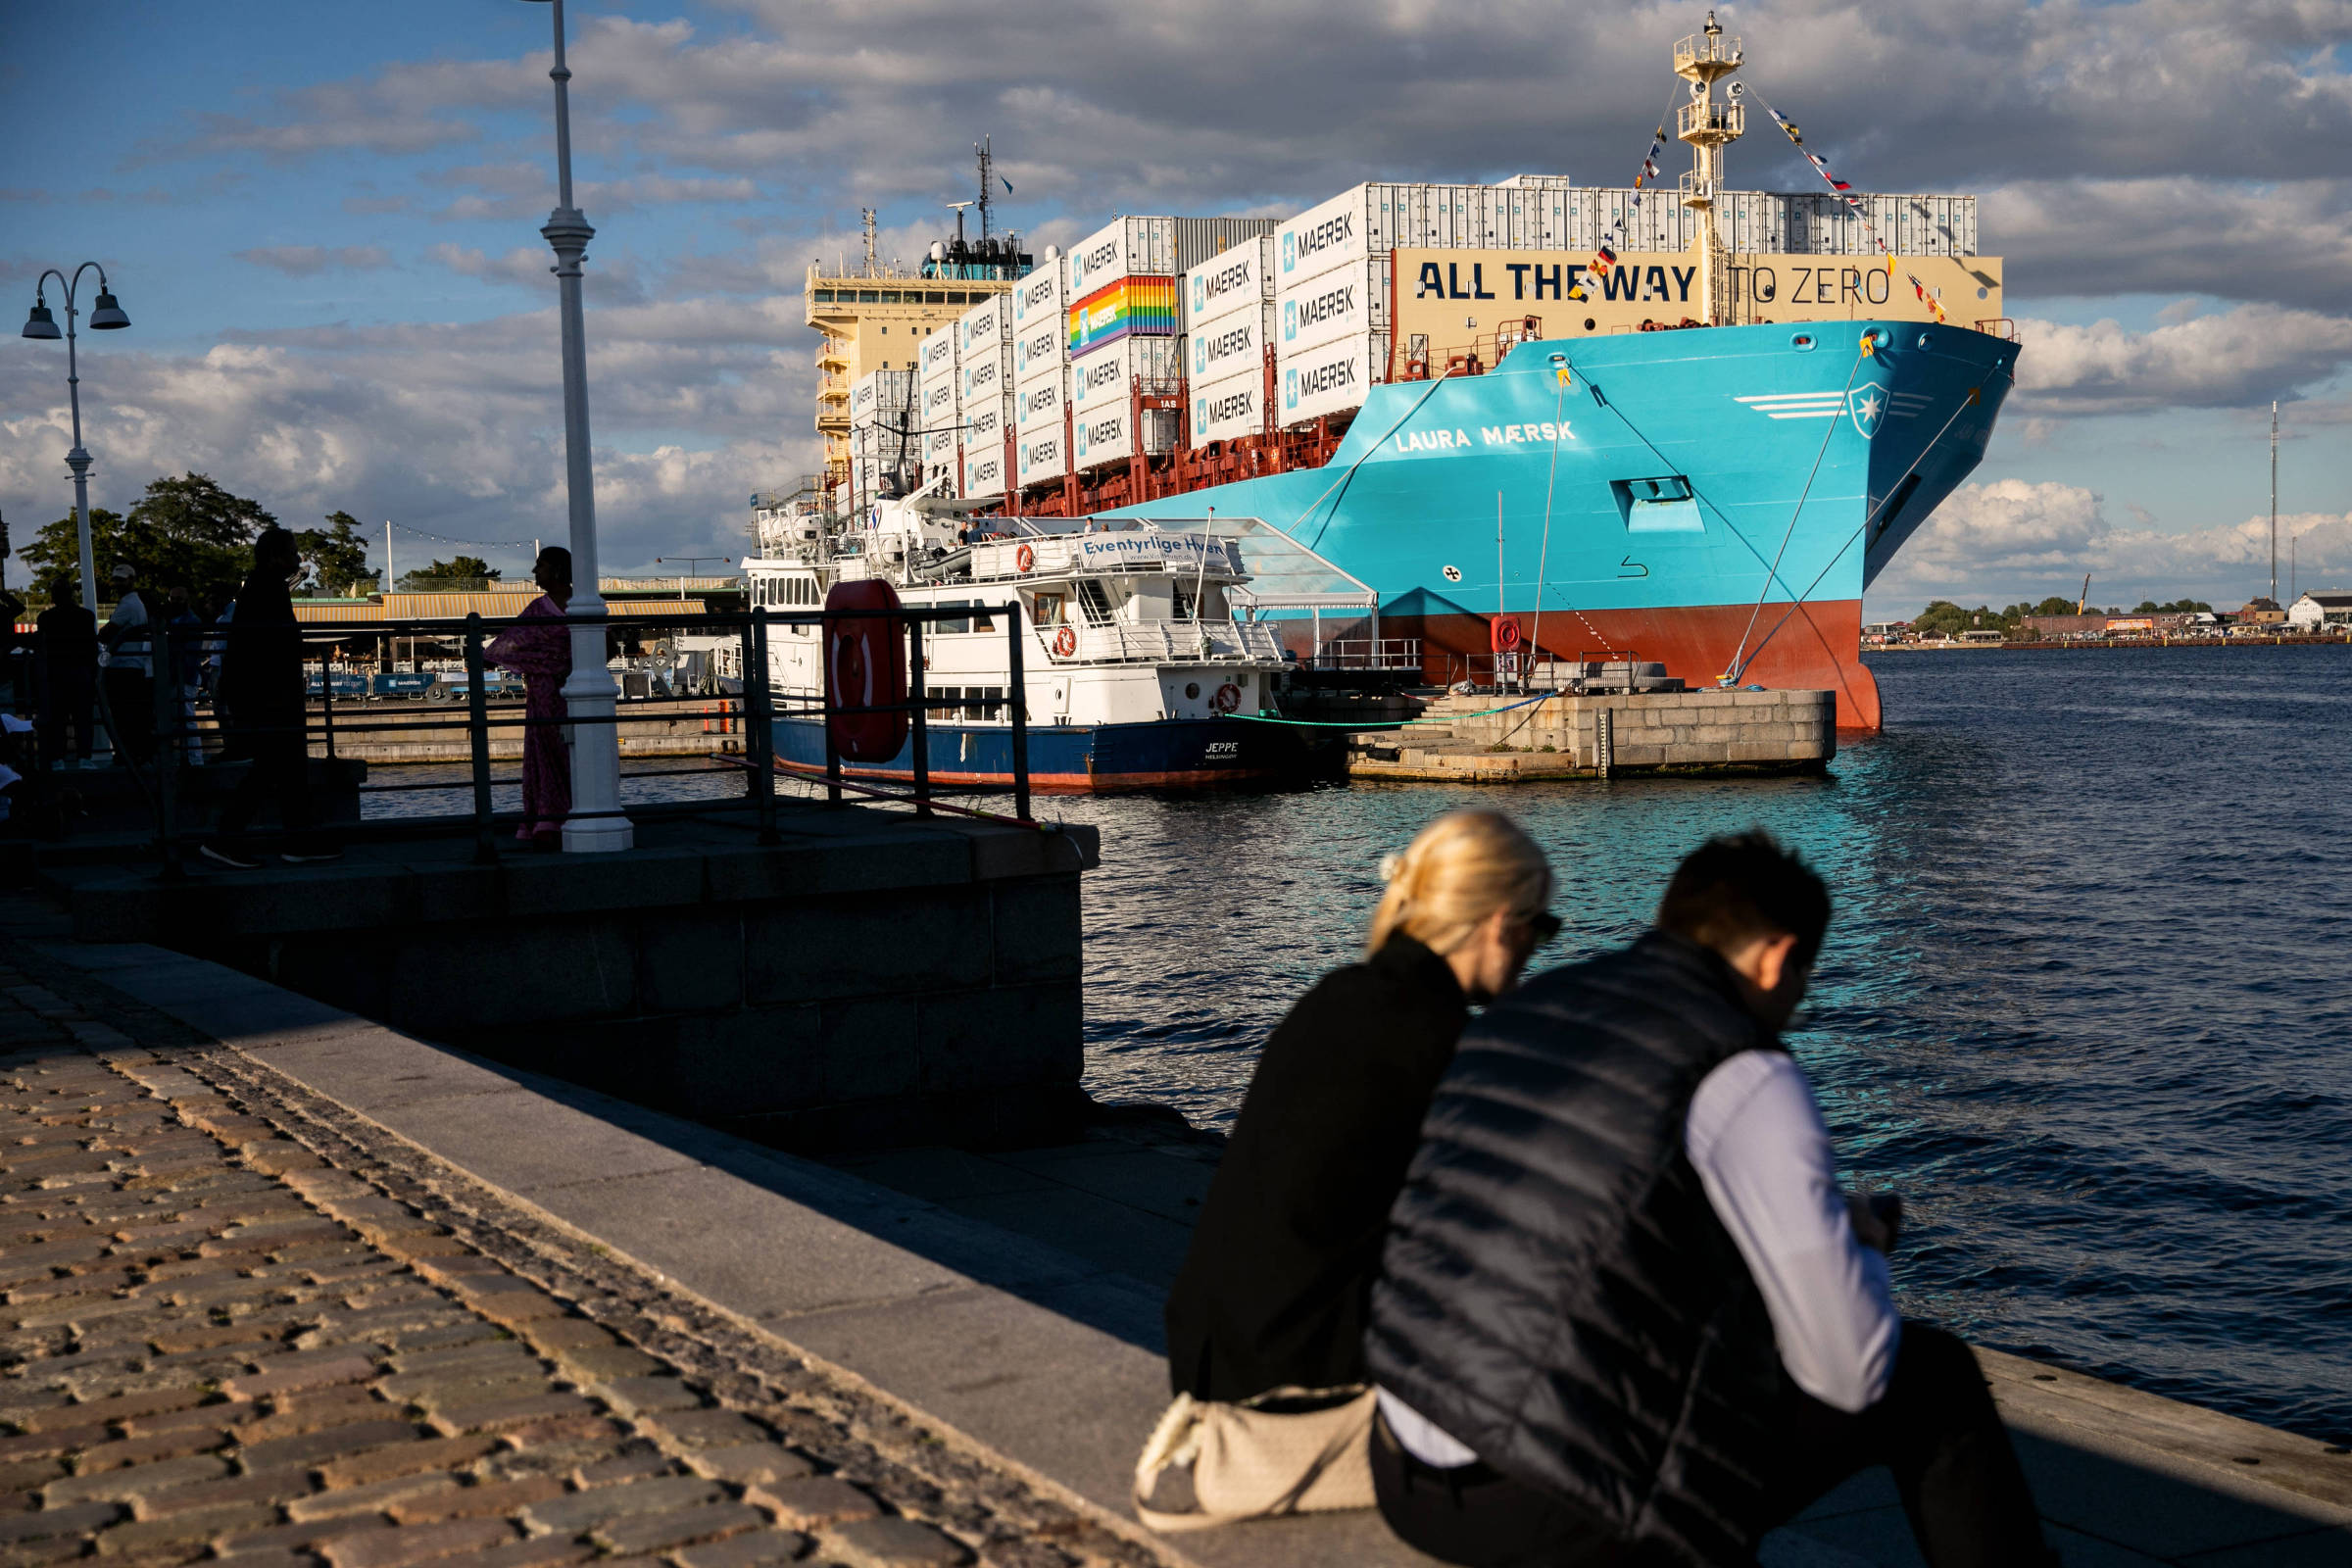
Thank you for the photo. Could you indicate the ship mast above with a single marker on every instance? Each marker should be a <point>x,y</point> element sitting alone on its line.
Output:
<point>1709,125</point>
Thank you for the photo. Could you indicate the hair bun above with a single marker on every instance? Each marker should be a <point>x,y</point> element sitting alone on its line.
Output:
<point>1390,865</point>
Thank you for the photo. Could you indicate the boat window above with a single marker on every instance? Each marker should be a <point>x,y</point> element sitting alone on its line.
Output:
<point>960,622</point>
<point>1046,611</point>
<point>982,620</point>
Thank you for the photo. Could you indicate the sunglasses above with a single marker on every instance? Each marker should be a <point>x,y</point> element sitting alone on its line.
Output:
<point>1544,927</point>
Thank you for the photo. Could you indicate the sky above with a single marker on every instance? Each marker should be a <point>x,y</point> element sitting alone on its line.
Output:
<point>322,220</point>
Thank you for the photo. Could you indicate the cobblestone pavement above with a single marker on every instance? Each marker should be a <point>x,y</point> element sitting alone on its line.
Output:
<point>241,1323</point>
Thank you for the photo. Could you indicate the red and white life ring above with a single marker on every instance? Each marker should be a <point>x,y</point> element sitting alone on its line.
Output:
<point>1065,641</point>
<point>1025,559</point>
<point>1228,698</point>
<point>866,670</point>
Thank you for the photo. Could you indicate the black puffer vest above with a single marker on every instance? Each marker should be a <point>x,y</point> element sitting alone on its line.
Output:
<point>1557,1291</point>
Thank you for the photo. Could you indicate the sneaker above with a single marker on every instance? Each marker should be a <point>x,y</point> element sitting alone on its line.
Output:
<point>234,860</point>
<point>311,857</point>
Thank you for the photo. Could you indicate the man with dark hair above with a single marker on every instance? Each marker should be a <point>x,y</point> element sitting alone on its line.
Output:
<point>1626,1315</point>
<point>68,681</point>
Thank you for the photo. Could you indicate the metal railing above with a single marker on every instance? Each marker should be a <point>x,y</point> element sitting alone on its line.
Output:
<point>1160,641</point>
<point>489,701</point>
<point>1367,652</point>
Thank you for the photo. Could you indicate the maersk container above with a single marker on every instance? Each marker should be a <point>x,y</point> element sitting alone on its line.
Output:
<point>1199,239</point>
<point>983,471</point>
<point>1231,344</point>
<point>879,390</point>
<point>1125,247</point>
<point>982,426</point>
<point>1152,363</point>
<point>1042,296</point>
<point>984,323</point>
<point>1040,403</point>
<point>1323,239</point>
<point>1229,281</point>
<point>1335,305</point>
<point>1039,458</point>
<point>1224,411</point>
<point>982,375</point>
<point>1039,349</point>
<point>937,357</point>
<point>1329,378</point>
<point>1109,435</point>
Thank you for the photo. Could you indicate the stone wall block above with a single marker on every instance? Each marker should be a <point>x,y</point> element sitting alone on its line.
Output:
<point>571,884</point>
<point>753,1062</point>
<point>870,1048</point>
<point>1037,929</point>
<point>1001,1039</point>
<point>690,961</point>
<point>453,980</point>
<point>915,940</point>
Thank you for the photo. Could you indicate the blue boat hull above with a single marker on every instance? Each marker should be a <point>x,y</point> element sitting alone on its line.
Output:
<point>1807,464</point>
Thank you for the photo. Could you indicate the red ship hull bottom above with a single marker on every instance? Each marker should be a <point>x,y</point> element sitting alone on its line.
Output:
<point>1817,648</point>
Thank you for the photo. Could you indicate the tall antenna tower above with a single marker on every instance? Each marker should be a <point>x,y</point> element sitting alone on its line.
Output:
<point>2274,500</point>
<point>869,241</point>
<point>1709,125</point>
<point>988,169</point>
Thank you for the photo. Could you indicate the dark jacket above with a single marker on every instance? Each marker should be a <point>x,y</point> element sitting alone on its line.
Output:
<point>1557,1291</point>
<point>1273,1291</point>
<point>68,649</point>
<point>261,666</point>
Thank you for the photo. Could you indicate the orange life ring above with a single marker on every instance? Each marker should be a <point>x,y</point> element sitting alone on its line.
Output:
<point>1228,698</point>
<point>1024,558</point>
<point>1506,635</point>
<point>1065,641</point>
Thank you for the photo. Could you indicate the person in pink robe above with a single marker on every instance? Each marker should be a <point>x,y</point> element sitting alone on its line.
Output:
<point>542,656</point>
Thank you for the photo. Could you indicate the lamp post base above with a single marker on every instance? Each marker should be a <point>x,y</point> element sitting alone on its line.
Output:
<point>602,835</point>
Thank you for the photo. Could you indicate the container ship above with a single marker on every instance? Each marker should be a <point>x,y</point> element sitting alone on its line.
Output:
<point>1546,423</point>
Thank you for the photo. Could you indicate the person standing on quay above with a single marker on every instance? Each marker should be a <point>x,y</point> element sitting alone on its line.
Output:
<point>542,656</point>
<point>69,677</point>
<point>1265,1322</point>
<point>267,713</point>
<point>1625,1314</point>
<point>129,669</point>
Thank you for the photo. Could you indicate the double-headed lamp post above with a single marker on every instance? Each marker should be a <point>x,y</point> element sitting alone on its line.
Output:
<point>105,317</point>
<point>589,694</point>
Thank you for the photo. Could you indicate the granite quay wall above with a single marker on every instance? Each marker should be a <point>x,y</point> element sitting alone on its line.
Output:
<point>1672,729</point>
<point>873,981</point>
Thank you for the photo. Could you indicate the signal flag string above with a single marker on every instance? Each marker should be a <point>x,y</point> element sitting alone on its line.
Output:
<point>1605,255</point>
<point>1845,194</point>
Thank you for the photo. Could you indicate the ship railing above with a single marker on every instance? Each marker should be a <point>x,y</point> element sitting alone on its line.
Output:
<point>463,713</point>
<point>1160,642</point>
<point>1367,652</point>
<point>2001,326</point>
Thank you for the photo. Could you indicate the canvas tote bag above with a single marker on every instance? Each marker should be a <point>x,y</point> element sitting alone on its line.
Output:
<point>1289,1450</point>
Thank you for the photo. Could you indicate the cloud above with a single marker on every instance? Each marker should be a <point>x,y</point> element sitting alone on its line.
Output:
<point>308,261</point>
<point>2289,243</point>
<point>2244,355</point>
<point>2015,540</point>
<point>608,282</point>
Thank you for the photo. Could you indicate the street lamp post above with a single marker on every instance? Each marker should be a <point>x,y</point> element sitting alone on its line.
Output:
<point>596,823</point>
<point>105,317</point>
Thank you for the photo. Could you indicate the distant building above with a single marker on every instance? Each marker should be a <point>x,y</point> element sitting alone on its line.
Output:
<point>2315,610</point>
<point>2261,610</point>
<point>2065,628</point>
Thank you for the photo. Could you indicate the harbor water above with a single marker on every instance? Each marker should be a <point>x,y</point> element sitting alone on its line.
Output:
<point>2087,1003</point>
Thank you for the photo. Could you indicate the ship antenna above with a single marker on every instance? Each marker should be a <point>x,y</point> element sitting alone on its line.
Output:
<point>987,167</point>
<point>1709,125</point>
<point>869,241</point>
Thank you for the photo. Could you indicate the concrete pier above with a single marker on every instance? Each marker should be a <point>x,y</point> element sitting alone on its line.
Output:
<point>1460,740</point>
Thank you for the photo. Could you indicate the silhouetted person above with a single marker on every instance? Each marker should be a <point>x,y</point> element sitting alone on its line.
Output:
<point>541,654</point>
<point>266,711</point>
<point>67,678</point>
<point>128,669</point>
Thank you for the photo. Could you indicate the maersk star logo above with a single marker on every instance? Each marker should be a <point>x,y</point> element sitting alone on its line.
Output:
<point>1290,252</point>
<point>1290,389</point>
<point>1868,405</point>
<point>1290,319</point>
<point>1197,298</point>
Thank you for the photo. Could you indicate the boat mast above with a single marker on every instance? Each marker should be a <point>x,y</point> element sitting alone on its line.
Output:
<point>1709,125</point>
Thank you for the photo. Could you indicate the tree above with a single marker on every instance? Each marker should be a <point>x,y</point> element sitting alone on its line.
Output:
<point>334,557</point>
<point>187,531</point>
<point>442,574</point>
<point>1944,619</point>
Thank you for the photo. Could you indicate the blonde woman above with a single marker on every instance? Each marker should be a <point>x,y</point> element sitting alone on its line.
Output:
<point>1266,1323</point>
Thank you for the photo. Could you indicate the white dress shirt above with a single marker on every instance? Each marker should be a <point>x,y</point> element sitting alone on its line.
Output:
<point>1755,1135</point>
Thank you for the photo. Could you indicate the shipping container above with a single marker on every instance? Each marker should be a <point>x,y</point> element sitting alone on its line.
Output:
<point>1198,239</point>
<point>1041,457</point>
<point>1333,304</point>
<point>1223,410</point>
<point>1125,247</point>
<point>1135,306</point>
<point>1322,238</point>
<point>1039,404</point>
<point>1039,349</point>
<point>877,391</point>
<point>983,471</point>
<point>1230,281</point>
<point>1152,363</point>
<point>980,374</point>
<point>1230,344</point>
<point>1109,436</point>
<point>937,357</point>
<point>1329,378</point>
<point>984,323</point>
<point>984,424</point>
<point>1042,296</point>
